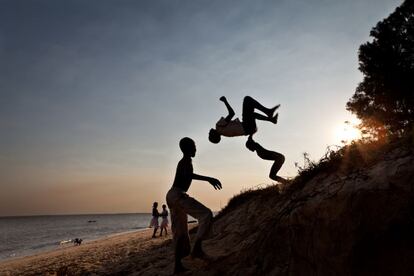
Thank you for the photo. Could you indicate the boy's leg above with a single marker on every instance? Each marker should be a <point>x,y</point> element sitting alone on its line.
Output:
<point>249,104</point>
<point>277,164</point>
<point>155,231</point>
<point>197,210</point>
<point>182,247</point>
<point>265,118</point>
<point>249,117</point>
<point>279,160</point>
<point>204,217</point>
<point>179,228</point>
<point>180,252</point>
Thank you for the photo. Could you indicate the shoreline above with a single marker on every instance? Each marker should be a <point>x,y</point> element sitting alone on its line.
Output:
<point>130,251</point>
<point>59,247</point>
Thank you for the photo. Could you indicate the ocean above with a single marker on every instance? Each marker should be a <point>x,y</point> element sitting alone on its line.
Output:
<point>23,236</point>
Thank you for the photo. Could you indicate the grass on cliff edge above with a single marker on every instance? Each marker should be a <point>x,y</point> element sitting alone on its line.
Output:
<point>357,155</point>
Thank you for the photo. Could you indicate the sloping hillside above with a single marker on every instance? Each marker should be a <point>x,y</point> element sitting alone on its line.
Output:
<point>338,220</point>
<point>350,214</point>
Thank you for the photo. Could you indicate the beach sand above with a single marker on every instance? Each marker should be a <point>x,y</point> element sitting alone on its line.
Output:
<point>124,254</point>
<point>133,253</point>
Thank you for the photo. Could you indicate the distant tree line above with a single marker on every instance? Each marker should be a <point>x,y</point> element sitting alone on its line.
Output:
<point>384,100</point>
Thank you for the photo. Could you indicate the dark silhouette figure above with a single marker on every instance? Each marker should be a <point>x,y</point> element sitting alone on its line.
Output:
<point>164,222</point>
<point>181,204</point>
<point>268,155</point>
<point>77,241</point>
<point>230,128</point>
<point>154,220</point>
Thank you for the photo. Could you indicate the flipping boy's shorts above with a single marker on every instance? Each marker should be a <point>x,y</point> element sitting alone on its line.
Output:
<point>249,122</point>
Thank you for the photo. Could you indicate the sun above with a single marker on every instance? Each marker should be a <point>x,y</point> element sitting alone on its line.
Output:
<point>347,132</point>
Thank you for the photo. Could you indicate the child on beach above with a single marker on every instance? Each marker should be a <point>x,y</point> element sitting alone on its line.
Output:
<point>154,220</point>
<point>230,128</point>
<point>268,155</point>
<point>164,222</point>
<point>181,204</point>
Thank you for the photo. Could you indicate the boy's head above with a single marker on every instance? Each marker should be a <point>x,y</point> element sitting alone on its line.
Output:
<point>164,206</point>
<point>214,136</point>
<point>155,205</point>
<point>187,146</point>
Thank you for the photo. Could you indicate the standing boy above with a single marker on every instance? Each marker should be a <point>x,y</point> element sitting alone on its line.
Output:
<point>181,204</point>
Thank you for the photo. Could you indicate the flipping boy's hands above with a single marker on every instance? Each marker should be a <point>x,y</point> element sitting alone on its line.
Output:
<point>216,183</point>
<point>223,99</point>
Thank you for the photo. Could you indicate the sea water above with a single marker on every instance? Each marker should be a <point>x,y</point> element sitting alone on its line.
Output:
<point>22,236</point>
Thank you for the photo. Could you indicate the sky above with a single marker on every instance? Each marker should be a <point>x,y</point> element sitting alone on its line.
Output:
<point>95,95</point>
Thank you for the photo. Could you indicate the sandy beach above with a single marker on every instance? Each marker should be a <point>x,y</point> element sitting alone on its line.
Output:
<point>124,254</point>
<point>133,253</point>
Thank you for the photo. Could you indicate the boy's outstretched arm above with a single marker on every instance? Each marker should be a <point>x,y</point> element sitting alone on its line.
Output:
<point>213,181</point>
<point>229,109</point>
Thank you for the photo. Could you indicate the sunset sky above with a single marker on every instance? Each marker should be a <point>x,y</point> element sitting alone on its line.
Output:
<point>95,95</point>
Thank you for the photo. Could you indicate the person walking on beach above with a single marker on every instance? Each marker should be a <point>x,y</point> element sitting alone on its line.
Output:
<point>164,222</point>
<point>265,154</point>
<point>230,128</point>
<point>154,220</point>
<point>181,204</point>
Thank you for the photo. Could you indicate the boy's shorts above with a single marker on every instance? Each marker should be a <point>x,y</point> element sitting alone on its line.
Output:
<point>181,204</point>
<point>249,122</point>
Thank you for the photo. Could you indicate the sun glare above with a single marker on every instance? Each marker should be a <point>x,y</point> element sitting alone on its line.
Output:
<point>347,131</point>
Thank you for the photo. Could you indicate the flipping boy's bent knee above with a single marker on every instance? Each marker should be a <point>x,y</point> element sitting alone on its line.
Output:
<point>282,158</point>
<point>247,99</point>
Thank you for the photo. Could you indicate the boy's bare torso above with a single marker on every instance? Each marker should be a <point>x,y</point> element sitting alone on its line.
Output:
<point>184,174</point>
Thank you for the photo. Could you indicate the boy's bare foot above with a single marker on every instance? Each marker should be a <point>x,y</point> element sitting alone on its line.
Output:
<point>272,111</point>
<point>274,119</point>
<point>204,257</point>
<point>200,254</point>
<point>179,268</point>
<point>281,180</point>
<point>223,99</point>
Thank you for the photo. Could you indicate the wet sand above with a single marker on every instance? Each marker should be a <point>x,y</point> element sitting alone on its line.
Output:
<point>124,254</point>
<point>135,253</point>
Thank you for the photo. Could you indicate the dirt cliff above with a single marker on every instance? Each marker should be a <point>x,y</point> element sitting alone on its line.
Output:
<point>340,220</point>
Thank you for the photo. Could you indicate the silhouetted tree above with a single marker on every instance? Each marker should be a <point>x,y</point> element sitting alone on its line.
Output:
<point>384,100</point>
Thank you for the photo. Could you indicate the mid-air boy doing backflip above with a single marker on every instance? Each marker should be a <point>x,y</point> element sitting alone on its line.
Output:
<point>230,128</point>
